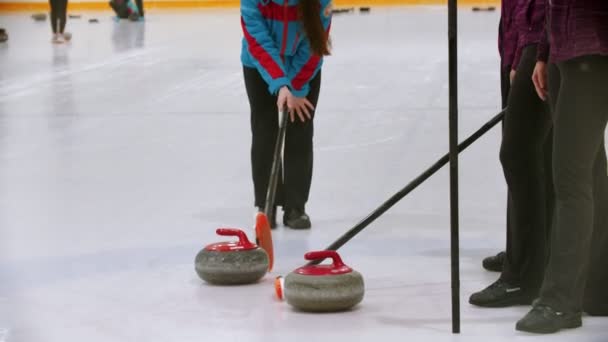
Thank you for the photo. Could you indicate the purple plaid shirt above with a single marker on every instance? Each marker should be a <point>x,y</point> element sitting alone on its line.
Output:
<point>507,33</point>
<point>576,28</point>
<point>530,22</point>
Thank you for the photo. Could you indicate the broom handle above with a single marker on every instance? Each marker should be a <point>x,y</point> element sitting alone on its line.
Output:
<point>411,186</point>
<point>276,164</point>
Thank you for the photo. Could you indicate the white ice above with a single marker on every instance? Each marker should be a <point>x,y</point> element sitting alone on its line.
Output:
<point>122,152</point>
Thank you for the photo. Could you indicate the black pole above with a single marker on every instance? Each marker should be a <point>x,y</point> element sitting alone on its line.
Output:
<point>276,165</point>
<point>453,137</point>
<point>410,187</point>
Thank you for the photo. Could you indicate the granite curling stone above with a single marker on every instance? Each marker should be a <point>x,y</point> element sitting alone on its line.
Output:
<point>322,288</point>
<point>231,263</point>
<point>39,16</point>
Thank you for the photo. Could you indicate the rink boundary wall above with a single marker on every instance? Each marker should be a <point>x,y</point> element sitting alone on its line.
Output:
<point>84,5</point>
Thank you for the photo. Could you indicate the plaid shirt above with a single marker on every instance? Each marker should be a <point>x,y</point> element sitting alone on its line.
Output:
<point>576,28</point>
<point>507,34</point>
<point>530,23</point>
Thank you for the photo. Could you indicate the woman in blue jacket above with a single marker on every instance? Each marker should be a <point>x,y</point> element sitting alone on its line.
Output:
<point>283,47</point>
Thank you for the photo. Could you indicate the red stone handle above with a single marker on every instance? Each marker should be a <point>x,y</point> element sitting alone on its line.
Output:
<point>243,240</point>
<point>321,255</point>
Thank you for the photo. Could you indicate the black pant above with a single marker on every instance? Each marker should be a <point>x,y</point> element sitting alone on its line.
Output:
<point>505,85</point>
<point>59,9</point>
<point>579,240</point>
<point>294,188</point>
<point>140,6</point>
<point>526,126</point>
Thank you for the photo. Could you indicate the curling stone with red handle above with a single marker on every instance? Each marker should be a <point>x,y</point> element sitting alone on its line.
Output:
<point>322,288</point>
<point>231,263</point>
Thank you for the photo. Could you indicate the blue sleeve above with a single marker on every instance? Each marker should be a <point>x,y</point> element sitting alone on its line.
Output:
<point>305,65</point>
<point>262,47</point>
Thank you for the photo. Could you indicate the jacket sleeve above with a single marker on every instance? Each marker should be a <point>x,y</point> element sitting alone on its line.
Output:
<point>542,54</point>
<point>262,47</point>
<point>305,65</point>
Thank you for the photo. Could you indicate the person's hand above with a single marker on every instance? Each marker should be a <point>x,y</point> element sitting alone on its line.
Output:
<point>512,76</point>
<point>299,106</point>
<point>284,94</point>
<point>539,78</point>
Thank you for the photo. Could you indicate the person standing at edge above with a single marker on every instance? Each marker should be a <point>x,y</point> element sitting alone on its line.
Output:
<point>526,164</point>
<point>578,36</point>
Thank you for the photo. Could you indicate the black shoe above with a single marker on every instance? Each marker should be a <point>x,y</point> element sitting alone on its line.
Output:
<point>494,263</point>
<point>501,294</point>
<point>296,219</point>
<point>543,319</point>
<point>272,219</point>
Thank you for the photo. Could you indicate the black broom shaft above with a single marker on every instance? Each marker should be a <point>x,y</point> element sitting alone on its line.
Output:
<point>408,188</point>
<point>276,163</point>
<point>453,156</point>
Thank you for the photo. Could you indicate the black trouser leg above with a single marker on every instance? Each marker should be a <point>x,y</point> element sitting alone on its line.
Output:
<point>264,130</point>
<point>63,14</point>
<point>526,126</point>
<point>140,6</point>
<point>298,155</point>
<point>54,14</point>
<point>505,87</point>
<point>596,292</point>
<point>579,124</point>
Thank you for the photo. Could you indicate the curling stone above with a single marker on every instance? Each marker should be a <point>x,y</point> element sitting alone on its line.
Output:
<point>231,263</point>
<point>39,16</point>
<point>93,21</point>
<point>322,288</point>
<point>364,9</point>
<point>3,35</point>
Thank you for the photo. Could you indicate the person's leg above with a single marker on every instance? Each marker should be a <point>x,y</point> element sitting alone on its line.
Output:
<point>299,163</point>
<point>526,125</point>
<point>54,4</point>
<point>495,263</point>
<point>596,292</point>
<point>140,7</point>
<point>62,14</point>
<point>264,129</point>
<point>579,125</point>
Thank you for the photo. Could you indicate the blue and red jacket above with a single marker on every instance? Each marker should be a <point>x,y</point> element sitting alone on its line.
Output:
<point>275,43</point>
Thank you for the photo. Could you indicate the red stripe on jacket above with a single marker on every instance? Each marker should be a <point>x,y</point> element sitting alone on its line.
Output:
<point>258,52</point>
<point>308,69</point>
<point>306,72</point>
<point>278,12</point>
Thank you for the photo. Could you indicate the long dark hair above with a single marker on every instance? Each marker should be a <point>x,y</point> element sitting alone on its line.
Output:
<point>308,12</point>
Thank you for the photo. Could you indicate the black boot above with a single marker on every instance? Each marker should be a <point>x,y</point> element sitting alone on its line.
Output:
<point>501,294</point>
<point>296,219</point>
<point>494,263</point>
<point>543,319</point>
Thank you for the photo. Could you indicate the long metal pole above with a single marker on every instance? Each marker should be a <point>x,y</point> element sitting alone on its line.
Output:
<point>351,233</point>
<point>453,137</point>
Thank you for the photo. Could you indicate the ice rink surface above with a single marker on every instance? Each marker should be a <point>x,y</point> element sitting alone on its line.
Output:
<point>122,152</point>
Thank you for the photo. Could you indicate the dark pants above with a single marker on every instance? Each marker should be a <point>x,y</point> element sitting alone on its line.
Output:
<point>294,188</point>
<point>140,6</point>
<point>579,241</point>
<point>523,156</point>
<point>59,9</point>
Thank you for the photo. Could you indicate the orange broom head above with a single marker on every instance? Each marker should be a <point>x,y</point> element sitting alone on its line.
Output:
<point>263,236</point>
<point>278,287</point>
